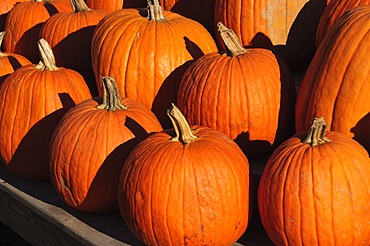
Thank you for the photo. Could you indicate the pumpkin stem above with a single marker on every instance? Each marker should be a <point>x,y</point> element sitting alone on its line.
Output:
<point>180,125</point>
<point>111,97</point>
<point>47,61</point>
<point>79,6</point>
<point>155,11</point>
<point>2,34</point>
<point>316,134</point>
<point>231,41</point>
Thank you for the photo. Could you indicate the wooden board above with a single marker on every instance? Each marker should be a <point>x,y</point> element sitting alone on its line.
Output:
<point>33,210</point>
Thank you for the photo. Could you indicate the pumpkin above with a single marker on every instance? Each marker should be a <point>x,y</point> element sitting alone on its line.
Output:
<point>287,27</point>
<point>248,94</point>
<point>185,186</point>
<point>334,10</point>
<point>24,22</point>
<point>201,11</point>
<point>33,99</point>
<point>5,7</point>
<point>113,5</point>
<point>315,190</point>
<point>10,62</point>
<point>337,82</point>
<point>72,32</point>
<point>90,145</point>
<point>147,55</point>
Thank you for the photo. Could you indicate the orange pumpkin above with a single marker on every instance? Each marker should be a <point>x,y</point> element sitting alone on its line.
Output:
<point>9,62</point>
<point>147,55</point>
<point>33,99</point>
<point>113,5</point>
<point>5,7</point>
<point>337,82</point>
<point>90,145</point>
<point>24,22</point>
<point>315,190</point>
<point>72,32</point>
<point>334,10</point>
<point>249,93</point>
<point>185,186</point>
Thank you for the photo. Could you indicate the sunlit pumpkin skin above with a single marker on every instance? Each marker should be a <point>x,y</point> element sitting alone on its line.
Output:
<point>147,57</point>
<point>24,22</point>
<point>69,35</point>
<point>332,13</point>
<point>250,97</point>
<point>337,82</point>
<point>9,62</point>
<point>90,145</point>
<point>201,11</point>
<point>5,7</point>
<point>32,100</point>
<point>113,5</point>
<point>317,194</point>
<point>186,187</point>
<point>247,18</point>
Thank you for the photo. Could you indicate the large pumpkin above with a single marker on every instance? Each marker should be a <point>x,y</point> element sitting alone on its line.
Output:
<point>315,190</point>
<point>33,99</point>
<point>147,52</point>
<point>334,10</point>
<point>5,7</point>
<point>185,186</point>
<point>9,62</point>
<point>337,82</point>
<point>90,145</point>
<point>24,22</point>
<point>248,94</point>
<point>69,35</point>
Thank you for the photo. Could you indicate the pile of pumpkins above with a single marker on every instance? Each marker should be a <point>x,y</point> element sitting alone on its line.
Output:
<point>157,109</point>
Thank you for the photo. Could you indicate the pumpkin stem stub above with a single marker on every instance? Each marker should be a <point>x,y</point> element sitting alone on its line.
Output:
<point>47,61</point>
<point>316,134</point>
<point>111,97</point>
<point>2,34</point>
<point>155,11</point>
<point>231,41</point>
<point>182,129</point>
<point>79,6</point>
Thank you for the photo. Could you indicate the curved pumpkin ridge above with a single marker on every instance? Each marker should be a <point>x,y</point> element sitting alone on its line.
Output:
<point>322,65</point>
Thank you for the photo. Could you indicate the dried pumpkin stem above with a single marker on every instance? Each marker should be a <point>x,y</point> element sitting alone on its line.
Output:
<point>155,11</point>
<point>111,97</point>
<point>316,134</point>
<point>79,6</point>
<point>47,61</point>
<point>231,41</point>
<point>2,34</point>
<point>180,125</point>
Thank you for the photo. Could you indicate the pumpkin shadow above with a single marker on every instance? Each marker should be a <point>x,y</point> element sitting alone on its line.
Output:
<point>361,132</point>
<point>167,93</point>
<point>300,45</point>
<point>135,4</point>
<point>2,22</point>
<point>30,159</point>
<point>78,57</point>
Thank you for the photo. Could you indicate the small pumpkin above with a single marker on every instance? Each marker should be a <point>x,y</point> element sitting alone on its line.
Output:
<point>337,82</point>
<point>147,52</point>
<point>69,35</point>
<point>24,22</point>
<point>248,94</point>
<point>9,62</point>
<point>90,145</point>
<point>33,99</point>
<point>315,190</point>
<point>185,186</point>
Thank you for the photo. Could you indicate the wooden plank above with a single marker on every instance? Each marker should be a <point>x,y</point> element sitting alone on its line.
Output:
<point>33,210</point>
